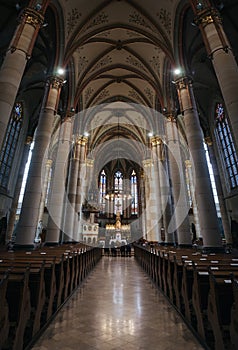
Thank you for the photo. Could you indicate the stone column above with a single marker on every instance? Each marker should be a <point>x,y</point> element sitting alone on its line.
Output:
<point>180,220</point>
<point>224,215</point>
<point>188,165</point>
<point>13,210</point>
<point>219,50</point>
<point>152,216</point>
<point>81,178</point>
<point>31,202</point>
<point>165,191</point>
<point>142,204</point>
<point>203,190</point>
<point>155,144</point>
<point>45,184</point>
<point>70,214</point>
<point>57,191</point>
<point>17,55</point>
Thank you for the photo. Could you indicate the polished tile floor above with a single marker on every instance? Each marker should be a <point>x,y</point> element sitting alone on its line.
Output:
<point>117,307</point>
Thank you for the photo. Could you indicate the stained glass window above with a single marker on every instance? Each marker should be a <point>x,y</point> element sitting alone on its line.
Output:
<point>10,144</point>
<point>118,188</point>
<point>227,144</point>
<point>102,190</point>
<point>134,203</point>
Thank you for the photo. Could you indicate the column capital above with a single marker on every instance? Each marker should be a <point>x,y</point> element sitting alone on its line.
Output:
<point>90,162</point>
<point>67,117</point>
<point>48,162</point>
<point>188,163</point>
<point>81,140</point>
<point>147,163</point>
<point>156,140</point>
<point>208,140</point>
<point>170,117</point>
<point>32,17</point>
<point>183,82</point>
<point>55,82</point>
<point>207,16</point>
<point>29,140</point>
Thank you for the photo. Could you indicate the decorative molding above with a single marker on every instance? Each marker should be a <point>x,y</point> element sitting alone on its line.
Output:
<point>134,62</point>
<point>149,94</point>
<point>155,63</point>
<point>103,94</point>
<point>101,18</point>
<point>135,95</point>
<point>88,93</point>
<point>136,18</point>
<point>72,19</point>
<point>103,62</point>
<point>165,18</point>
<point>82,63</point>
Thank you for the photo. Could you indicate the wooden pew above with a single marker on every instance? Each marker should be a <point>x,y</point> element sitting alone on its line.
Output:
<point>220,300</point>
<point>19,304</point>
<point>234,314</point>
<point>4,313</point>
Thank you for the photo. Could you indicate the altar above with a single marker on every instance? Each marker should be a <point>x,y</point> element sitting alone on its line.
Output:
<point>118,233</point>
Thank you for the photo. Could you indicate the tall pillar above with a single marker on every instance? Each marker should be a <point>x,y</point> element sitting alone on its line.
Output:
<point>70,213</point>
<point>203,190</point>
<point>57,191</point>
<point>180,221</point>
<point>165,191</point>
<point>155,142</point>
<point>13,210</point>
<point>17,55</point>
<point>219,50</point>
<point>224,215</point>
<point>188,165</point>
<point>80,192</point>
<point>31,201</point>
<point>152,216</point>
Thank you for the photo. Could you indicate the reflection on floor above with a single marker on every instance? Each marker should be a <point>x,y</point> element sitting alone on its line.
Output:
<point>117,307</point>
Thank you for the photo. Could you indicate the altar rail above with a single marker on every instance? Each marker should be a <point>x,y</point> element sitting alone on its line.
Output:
<point>202,287</point>
<point>33,287</point>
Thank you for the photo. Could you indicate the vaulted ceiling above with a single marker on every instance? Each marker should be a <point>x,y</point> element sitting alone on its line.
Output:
<point>121,52</point>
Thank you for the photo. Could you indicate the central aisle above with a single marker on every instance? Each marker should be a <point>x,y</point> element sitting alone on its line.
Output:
<point>117,307</point>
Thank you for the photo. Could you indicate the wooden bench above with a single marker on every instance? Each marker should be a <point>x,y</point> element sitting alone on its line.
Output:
<point>4,311</point>
<point>19,304</point>
<point>234,313</point>
<point>220,300</point>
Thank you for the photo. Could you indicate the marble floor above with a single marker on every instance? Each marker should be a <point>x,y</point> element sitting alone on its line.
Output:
<point>117,307</point>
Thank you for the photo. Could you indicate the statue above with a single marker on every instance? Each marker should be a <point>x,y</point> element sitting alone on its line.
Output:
<point>118,221</point>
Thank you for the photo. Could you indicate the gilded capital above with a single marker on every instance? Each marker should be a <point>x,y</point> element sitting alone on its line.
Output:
<point>29,140</point>
<point>56,82</point>
<point>171,118</point>
<point>207,16</point>
<point>48,163</point>
<point>188,163</point>
<point>156,140</point>
<point>81,140</point>
<point>147,163</point>
<point>182,83</point>
<point>32,17</point>
<point>208,140</point>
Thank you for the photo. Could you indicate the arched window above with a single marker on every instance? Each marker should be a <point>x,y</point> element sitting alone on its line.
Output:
<point>10,144</point>
<point>134,194</point>
<point>227,144</point>
<point>102,190</point>
<point>118,188</point>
